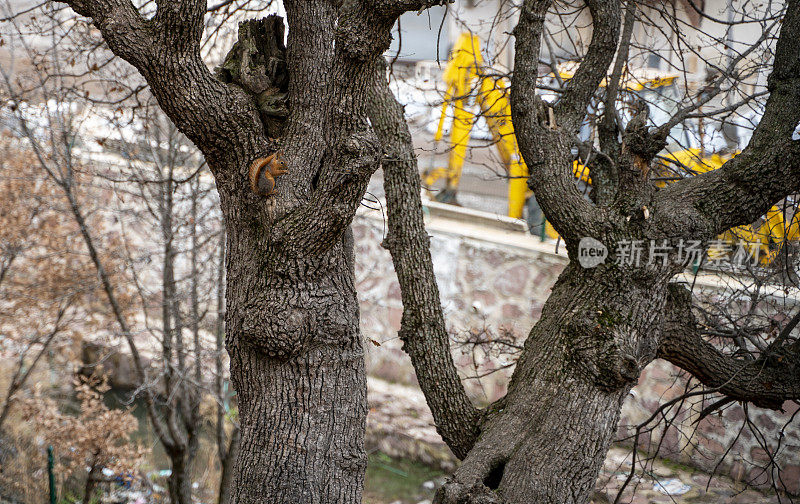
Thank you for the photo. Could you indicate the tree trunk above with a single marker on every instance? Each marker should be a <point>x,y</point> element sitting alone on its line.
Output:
<point>296,356</point>
<point>545,442</point>
<point>91,482</point>
<point>180,481</point>
<point>227,451</point>
<point>227,464</point>
<point>297,364</point>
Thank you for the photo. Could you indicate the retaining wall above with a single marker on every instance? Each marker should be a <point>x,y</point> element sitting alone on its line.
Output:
<point>498,280</point>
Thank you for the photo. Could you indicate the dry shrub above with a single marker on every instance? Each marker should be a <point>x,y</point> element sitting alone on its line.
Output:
<point>95,438</point>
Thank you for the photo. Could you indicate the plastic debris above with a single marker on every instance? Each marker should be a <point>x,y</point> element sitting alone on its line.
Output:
<point>671,487</point>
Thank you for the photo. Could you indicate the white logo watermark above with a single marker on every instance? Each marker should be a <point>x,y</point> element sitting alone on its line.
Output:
<point>591,252</point>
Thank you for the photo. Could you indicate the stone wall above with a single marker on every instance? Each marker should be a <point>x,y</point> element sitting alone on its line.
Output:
<point>492,285</point>
<point>741,437</point>
<point>497,280</point>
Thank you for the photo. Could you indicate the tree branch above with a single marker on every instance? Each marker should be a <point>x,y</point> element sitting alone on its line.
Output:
<point>127,33</point>
<point>766,382</point>
<point>604,170</point>
<point>571,109</point>
<point>546,147</point>
<point>711,90</point>
<point>222,120</point>
<point>20,377</point>
<point>141,373</point>
<point>352,151</point>
<point>765,172</point>
<point>309,58</point>
<point>422,330</point>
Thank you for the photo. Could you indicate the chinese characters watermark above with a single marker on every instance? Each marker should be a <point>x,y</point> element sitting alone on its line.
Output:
<point>636,253</point>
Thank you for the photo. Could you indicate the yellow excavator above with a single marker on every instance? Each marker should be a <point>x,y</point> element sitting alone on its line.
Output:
<point>466,83</point>
<point>468,88</point>
<point>463,71</point>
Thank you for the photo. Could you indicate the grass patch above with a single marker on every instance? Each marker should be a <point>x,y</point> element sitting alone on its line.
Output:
<point>391,480</point>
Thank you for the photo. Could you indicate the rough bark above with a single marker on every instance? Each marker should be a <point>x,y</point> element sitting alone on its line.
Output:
<point>546,440</point>
<point>292,317</point>
<point>297,365</point>
<point>292,314</point>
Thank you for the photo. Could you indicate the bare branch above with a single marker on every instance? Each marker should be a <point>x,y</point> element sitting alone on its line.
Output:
<point>579,90</point>
<point>766,382</point>
<point>711,90</point>
<point>546,147</point>
<point>221,120</point>
<point>422,330</point>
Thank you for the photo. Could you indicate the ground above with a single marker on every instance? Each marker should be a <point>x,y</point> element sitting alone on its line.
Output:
<point>397,481</point>
<point>402,411</point>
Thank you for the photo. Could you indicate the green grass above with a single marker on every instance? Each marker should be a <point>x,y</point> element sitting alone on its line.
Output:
<point>390,480</point>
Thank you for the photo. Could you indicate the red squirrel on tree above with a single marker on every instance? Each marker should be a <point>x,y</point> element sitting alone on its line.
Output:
<point>262,173</point>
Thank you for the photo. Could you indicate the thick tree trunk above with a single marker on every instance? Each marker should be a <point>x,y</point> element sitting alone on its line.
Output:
<point>546,440</point>
<point>292,313</point>
<point>297,364</point>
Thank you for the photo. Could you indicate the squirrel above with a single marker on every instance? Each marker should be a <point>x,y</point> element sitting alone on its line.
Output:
<point>262,173</point>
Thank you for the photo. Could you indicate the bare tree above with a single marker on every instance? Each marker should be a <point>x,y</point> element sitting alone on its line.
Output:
<point>291,317</point>
<point>163,192</point>
<point>227,444</point>
<point>546,439</point>
<point>291,314</point>
<point>160,190</point>
<point>38,294</point>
